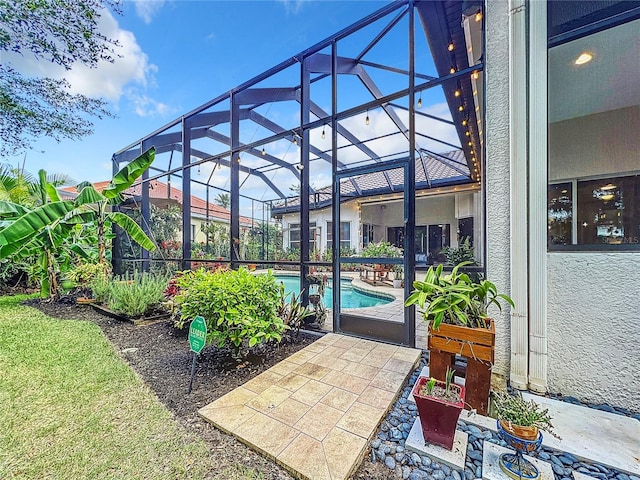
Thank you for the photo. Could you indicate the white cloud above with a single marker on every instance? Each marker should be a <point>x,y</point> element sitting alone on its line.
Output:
<point>292,7</point>
<point>130,73</point>
<point>108,80</point>
<point>146,9</point>
<point>145,106</point>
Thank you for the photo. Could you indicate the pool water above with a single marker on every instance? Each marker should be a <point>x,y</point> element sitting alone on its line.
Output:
<point>349,297</point>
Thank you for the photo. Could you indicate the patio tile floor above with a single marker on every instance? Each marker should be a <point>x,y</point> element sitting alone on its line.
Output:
<point>315,412</point>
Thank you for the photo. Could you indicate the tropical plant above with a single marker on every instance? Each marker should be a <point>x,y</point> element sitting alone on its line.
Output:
<point>463,253</point>
<point>84,273</point>
<point>454,298</point>
<point>236,305</point>
<point>100,202</point>
<point>292,311</point>
<point>381,249</point>
<point>398,270</point>
<point>43,230</point>
<point>223,200</point>
<point>515,410</point>
<point>136,297</point>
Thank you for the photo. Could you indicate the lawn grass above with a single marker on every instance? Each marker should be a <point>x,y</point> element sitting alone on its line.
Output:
<point>70,408</point>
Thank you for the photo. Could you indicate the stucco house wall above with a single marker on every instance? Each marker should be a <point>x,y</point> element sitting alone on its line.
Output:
<point>593,326</point>
<point>497,168</point>
<point>592,304</point>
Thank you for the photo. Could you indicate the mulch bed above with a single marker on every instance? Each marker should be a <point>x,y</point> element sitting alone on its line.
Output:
<point>160,355</point>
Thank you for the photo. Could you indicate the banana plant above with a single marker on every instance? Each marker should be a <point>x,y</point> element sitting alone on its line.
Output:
<point>44,229</point>
<point>101,204</point>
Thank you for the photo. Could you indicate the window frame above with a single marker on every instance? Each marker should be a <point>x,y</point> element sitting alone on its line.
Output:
<point>598,24</point>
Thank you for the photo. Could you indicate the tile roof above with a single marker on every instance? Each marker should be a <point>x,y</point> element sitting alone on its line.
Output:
<point>160,190</point>
<point>432,169</point>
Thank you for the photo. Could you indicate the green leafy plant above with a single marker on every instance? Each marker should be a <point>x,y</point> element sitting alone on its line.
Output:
<point>136,297</point>
<point>84,273</point>
<point>463,253</point>
<point>43,231</point>
<point>454,298</point>
<point>100,289</point>
<point>292,311</point>
<point>448,379</point>
<point>429,386</point>
<point>236,305</point>
<point>398,270</point>
<point>516,410</point>
<point>381,249</point>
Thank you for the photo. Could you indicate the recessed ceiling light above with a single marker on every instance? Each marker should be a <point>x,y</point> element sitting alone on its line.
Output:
<point>584,57</point>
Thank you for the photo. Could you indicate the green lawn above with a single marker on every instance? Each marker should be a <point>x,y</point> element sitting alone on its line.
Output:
<point>70,408</point>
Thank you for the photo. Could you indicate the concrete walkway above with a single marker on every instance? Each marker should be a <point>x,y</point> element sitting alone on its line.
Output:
<point>315,412</point>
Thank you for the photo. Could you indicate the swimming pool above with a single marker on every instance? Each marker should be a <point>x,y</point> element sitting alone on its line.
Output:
<point>350,297</point>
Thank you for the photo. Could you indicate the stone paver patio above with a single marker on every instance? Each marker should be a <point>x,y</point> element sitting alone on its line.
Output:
<point>314,412</point>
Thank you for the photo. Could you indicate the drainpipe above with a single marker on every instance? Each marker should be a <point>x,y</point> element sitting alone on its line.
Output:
<point>538,196</point>
<point>518,198</point>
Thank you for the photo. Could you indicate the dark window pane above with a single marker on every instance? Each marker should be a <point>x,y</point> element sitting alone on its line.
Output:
<point>559,214</point>
<point>609,211</point>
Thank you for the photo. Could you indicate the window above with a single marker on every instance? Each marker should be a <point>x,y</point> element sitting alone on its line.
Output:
<point>367,234</point>
<point>294,236</point>
<point>345,235</point>
<point>593,196</point>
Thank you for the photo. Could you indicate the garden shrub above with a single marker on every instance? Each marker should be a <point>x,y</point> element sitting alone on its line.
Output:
<point>236,305</point>
<point>85,273</point>
<point>136,297</point>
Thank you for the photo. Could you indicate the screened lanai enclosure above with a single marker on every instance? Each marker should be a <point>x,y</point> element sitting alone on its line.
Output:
<point>374,134</point>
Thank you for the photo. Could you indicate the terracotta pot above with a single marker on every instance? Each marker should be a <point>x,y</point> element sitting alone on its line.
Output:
<point>438,418</point>
<point>525,433</point>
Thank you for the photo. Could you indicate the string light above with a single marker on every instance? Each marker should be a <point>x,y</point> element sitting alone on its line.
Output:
<point>238,158</point>
<point>470,143</point>
<point>475,75</point>
<point>323,134</point>
<point>461,108</point>
<point>464,122</point>
<point>366,120</point>
<point>457,92</point>
<point>198,169</point>
<point>420,100</point>
<point>263,152</point>
<point>450,47</point>
<point>478,16</point>
<point>467,133</point>
<point>452,70</point>
<point>295,140</point>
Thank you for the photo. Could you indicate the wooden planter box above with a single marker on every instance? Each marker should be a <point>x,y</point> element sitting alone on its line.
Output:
<point>136,321</point>
<point>477,345</point>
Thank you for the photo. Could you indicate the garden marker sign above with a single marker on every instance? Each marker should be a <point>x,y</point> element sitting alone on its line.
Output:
<point>197,340</point>
<point>197,334</point>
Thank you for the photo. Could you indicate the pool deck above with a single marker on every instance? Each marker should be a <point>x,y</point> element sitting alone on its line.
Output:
<point>392,311</point>
<point>315,412</point>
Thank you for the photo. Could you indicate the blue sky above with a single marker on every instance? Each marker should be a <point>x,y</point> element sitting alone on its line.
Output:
<point>177,54</point>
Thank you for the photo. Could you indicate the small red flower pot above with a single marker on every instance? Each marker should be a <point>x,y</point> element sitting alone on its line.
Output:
<point>438,417</point>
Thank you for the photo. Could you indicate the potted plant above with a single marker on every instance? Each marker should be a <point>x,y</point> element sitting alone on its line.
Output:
<point>439,405</point>
<point>398,272</point>
<point>520,418</point>
<point>456,308</point>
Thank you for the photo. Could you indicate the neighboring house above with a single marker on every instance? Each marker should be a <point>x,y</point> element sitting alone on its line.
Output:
<point>162,195</point>
<point>448,209</point>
